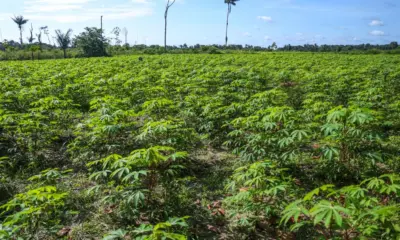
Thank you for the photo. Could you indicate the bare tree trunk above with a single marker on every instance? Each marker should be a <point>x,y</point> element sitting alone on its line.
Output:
<point>227,24</point>
<point>126,35</point>
<point>65,53</point>
<point>102,39</point>
<point>165,28</point>
<point>166,21</point>
<point>48,38</point>
<point>20,35</point>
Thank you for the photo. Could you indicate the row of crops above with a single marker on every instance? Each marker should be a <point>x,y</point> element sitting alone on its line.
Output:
<point>265,146</point>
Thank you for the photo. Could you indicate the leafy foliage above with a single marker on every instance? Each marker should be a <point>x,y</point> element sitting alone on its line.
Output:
<point>64,40</point>
<point>257,146</point>
<point>367,210</point>
<point>150,232</point>
<point>27,212</point>
<point>92,42</point>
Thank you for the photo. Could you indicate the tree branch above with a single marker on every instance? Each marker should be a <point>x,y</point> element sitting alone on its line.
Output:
<point>170,5</point>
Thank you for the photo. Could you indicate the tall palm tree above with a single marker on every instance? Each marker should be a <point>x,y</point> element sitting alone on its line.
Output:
<point>169,4</point>
<point>230,4</point>
<point>20,21</point>
<point>64,40</point>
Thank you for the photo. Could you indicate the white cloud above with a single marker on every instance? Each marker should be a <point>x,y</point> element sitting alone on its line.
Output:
<point>377,33</point>
<point>57,2</point>
<point>141,1</point>
<point>61,18</point>
<point>376,23</point>
<point>128,13</point>
<point>68,11</point>
<point>36,6</point>
<point>319,37</point>
<point>268,38</point>
<point>247,34</point>
<point>265,18</point>
<point>111,14</point>
<point>5,16</point>
<point>299,37</point>
<point>52,8</point>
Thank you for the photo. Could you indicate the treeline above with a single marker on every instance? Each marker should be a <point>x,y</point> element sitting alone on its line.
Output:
<point>91,45</point>
<point>215,48</point>
<point>339,48</point>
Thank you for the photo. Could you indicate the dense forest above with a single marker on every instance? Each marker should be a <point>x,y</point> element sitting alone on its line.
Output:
<point>232,146</point>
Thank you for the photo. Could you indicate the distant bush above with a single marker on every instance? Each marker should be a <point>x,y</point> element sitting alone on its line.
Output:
<point>38,55</point>
<point>374,51</point>
<point>214,50</point>
<point>92,42</point>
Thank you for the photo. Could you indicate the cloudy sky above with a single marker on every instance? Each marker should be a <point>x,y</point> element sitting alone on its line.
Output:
<point>257,22</point>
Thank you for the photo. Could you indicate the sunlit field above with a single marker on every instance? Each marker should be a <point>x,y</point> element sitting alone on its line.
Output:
<point>232,146</point>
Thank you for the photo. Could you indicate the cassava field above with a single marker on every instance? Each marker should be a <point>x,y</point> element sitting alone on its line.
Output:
<point>260,146</point>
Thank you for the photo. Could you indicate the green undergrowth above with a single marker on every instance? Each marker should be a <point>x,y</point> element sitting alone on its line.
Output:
<point>232,146</point>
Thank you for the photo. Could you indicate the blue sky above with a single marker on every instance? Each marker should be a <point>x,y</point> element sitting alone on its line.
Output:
<point>256,22</point>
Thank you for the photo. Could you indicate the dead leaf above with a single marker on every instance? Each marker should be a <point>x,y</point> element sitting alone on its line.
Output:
<point>64,231</point>
<point>221,211</point>
<point>212,228</point>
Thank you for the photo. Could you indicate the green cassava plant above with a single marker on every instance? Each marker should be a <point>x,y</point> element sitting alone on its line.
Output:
<point>367,210</point>
<point>28,212</point>
<point>136,180</point>
<point>259,192</point>
<point>157,136</point>
<point>163,230</point>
